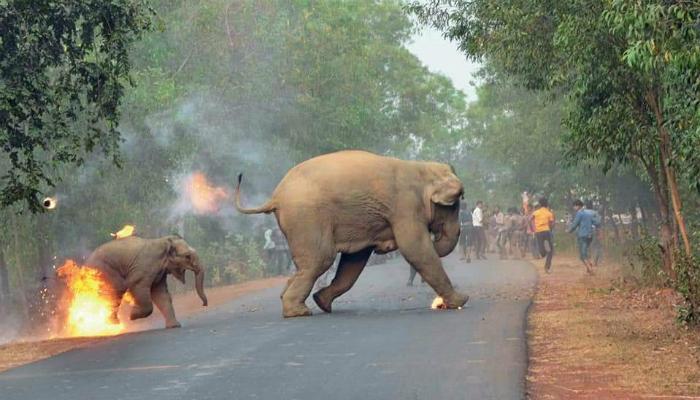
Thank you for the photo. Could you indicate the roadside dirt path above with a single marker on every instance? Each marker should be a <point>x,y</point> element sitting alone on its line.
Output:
<point>596,337</point>
<point>186,304</point>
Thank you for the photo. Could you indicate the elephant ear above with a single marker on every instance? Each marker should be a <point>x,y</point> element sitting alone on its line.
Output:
<point>170,252</point>
<point>445,192</point>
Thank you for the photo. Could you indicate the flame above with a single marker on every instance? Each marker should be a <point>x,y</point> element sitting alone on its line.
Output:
<point>87,298</point>
<point>438,303</point>
<point>126,231</point>
<point>204,197</point>
<point>49,203</point>
<point>128,298</point>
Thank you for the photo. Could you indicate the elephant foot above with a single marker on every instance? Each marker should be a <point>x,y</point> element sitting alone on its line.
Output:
<point>170,325</point>
<point>300,310</point>
<point>323,303</point>
<point>455,300</point>
<point>140,312</point>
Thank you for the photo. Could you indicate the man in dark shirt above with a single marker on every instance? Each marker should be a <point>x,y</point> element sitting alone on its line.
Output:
<point>465,220</point>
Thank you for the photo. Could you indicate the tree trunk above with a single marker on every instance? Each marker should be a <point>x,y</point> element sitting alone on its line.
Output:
<point>669,171</point>
<point>666,237</point>
<point>4,278</point>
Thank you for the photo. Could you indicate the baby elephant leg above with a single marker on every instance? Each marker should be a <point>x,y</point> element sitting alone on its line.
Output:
<point>143,305</point>
<point>164,302</point>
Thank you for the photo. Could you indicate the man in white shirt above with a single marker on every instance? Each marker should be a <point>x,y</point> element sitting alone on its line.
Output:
<point>479,233</point>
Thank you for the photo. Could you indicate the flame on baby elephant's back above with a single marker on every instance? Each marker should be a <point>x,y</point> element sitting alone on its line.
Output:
<point>204,197</point>
<point>88,302</point>
<point>126,231</point>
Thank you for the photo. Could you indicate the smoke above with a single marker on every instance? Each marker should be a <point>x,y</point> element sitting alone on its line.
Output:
<point>11,327</point>
<point>212,142</point>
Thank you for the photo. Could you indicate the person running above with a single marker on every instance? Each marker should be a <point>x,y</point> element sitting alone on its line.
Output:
<point>584,223</point>
<point>516,232</point>
<point>479,233</point>
<point>543,220</point>
<point>465,222</point>
<point>500,232</point>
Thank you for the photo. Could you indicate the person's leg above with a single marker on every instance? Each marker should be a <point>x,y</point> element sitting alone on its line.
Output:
<point>476,241</point>
<point>549,246</point>
<point>584,245</point>
<point>499,244</point>
<point>468,243</point>
<point>542,238</point>
<point>480,242</point>
<point>411,276</point>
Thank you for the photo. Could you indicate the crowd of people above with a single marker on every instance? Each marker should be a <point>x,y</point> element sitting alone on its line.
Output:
<point>527,229</point>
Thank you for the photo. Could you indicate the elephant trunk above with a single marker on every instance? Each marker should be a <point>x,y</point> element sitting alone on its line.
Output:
<point>446,230</point>
<point>199,282</point>
<point>446,243</point>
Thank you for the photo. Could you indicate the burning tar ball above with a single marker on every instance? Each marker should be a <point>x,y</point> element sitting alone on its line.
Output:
<point>49,203</point>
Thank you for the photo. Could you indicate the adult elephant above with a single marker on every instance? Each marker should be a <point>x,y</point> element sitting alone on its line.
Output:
<point>141,266</point>
<point>355,202</point>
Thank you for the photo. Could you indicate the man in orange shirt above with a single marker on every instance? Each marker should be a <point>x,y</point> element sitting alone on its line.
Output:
<point>543,220</point>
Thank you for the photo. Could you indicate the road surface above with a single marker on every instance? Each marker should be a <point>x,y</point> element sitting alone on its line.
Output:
<point>381,342</point>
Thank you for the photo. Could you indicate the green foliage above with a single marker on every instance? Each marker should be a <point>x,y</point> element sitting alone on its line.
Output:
<point>235,259</point>
<point>688,285</point>
<point>646,263</point>
<point>63,66</point>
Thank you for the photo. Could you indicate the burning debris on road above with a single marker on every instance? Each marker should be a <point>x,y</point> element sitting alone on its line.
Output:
<point>438,303</point>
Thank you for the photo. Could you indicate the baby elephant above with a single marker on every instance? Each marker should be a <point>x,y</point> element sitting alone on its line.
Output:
<point>141,266</point>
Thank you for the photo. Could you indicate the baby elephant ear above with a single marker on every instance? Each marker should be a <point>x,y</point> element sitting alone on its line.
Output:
<point>170,249</point>
<point>447,191</point>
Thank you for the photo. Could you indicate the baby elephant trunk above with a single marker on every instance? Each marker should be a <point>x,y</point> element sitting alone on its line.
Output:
<point>199,282</point>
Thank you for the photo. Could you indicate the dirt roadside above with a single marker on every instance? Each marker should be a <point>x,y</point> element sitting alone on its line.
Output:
<point>596,337</point>
<point>186,304</point>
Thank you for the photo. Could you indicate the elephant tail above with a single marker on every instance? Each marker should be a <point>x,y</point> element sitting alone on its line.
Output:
<point>265,208</point>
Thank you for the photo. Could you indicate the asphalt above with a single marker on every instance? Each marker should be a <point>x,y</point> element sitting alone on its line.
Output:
<point>381,342</point>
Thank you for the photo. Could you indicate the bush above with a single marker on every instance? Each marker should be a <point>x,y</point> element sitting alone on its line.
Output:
<point>646,263</point>
<point>688,285</point>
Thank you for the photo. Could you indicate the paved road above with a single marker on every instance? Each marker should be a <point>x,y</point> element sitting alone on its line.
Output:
<point>381,342</point>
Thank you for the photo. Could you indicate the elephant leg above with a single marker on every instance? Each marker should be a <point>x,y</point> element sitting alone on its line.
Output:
<point>349,269</point>
<point>300,284</point>
<point>417,248</point>
<point>143,304</point>
<point>164,302</point>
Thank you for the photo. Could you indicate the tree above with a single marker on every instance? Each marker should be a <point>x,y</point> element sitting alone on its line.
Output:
<point>63,66</point>
<point>616,63</point>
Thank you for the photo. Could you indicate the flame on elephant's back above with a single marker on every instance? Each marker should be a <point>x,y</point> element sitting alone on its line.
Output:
<point>126,231</point>
<point>88,302</point>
